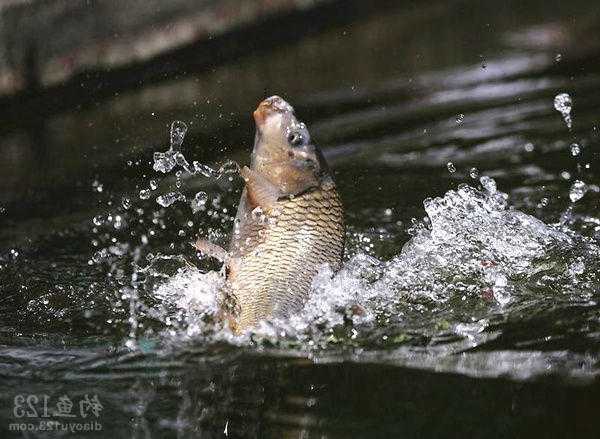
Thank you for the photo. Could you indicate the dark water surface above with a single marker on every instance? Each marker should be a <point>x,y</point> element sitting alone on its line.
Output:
<point>486,324</point>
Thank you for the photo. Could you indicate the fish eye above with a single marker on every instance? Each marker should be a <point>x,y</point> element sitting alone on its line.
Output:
<point>295,138</point>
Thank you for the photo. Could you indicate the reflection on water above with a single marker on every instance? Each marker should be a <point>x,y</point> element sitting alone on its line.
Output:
<point>486,321</point>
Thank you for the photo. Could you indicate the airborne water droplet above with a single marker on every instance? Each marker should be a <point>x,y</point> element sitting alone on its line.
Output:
<point>460,118</point>
<point>575,149</point>
<point>144,194</point>
<point>489,184</point>
<point>169,198</point>
<point>205,170</point>
<point>199,201</point>
<point>178,130</point>
<point>563,104</point>
<point>229,167</point>
<point>578,190</point>
<point>451,167</point>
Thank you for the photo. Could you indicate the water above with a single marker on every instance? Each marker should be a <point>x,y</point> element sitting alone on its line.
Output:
<point>469,290</point>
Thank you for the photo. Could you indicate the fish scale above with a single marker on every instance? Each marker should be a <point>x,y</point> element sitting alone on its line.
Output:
<point>299,236</point>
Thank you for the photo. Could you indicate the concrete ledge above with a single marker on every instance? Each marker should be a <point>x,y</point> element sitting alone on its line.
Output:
<point>44,43</point>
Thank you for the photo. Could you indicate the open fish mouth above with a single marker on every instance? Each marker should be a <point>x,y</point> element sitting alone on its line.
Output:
<point>271,105</point>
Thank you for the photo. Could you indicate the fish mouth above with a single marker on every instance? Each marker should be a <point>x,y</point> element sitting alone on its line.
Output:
<point>271,106</point>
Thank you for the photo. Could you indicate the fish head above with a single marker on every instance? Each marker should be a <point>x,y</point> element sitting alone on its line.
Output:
<point>283,150</point>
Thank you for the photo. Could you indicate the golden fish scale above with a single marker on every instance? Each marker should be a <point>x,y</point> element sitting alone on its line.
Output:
<point>300,235</point>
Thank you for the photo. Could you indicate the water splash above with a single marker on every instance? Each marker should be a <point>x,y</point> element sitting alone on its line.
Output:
<point>471,248</point>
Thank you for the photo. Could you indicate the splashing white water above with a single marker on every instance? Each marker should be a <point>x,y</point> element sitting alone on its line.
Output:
<point>471,246</point>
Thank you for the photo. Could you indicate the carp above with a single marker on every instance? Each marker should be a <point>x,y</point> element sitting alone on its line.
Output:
<point>289,222</point>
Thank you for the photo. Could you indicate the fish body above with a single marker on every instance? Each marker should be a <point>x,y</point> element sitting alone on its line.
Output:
<point>289,222</point>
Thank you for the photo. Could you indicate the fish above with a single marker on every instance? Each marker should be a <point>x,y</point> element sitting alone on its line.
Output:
<point>289,222</point>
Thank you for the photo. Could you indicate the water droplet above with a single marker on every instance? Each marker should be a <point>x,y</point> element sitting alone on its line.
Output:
<point>575,149</point>
<point>529,147</point>
<point>199,201</point>
<point>460,118</point>
<point>98,187</point>
<point>451,167</point>
<point>178,130</point>
<point>474,173</point>
<point>126,202</point>
<point>144,194</point>
<point>563,104</point>
<point>578,190</point>
<point>153,185</point>
<point>178,179</point>
<point>558,57</point>
<point>229,167</point>
<point>565,175</point>
<point>488,183</point>
<point>164,161</point>
<point>204,170</point>
<point>543,202</point>
<point>169,198</point>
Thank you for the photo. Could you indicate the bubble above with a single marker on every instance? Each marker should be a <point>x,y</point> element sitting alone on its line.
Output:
<point>563,104</point>
<point>451,167</point>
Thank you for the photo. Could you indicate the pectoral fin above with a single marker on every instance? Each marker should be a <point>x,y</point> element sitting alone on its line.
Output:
<point>261,192</point>
<point>212,250</point>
